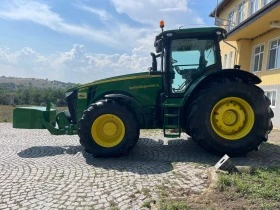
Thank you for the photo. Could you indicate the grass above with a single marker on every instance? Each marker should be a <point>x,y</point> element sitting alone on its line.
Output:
<point>260,185</point>
<point>170,204</point>
<point>147,204</point>
<point>257,188</point>
<point>165,202</point>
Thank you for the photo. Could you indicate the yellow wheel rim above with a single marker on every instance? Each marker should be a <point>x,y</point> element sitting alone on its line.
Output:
<point>232,118</point>
<point>108,130</point>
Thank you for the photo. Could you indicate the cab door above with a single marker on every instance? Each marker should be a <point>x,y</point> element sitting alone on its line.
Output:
<point>188,59</point>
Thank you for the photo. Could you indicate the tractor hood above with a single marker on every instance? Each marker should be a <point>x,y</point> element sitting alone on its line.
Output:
<point>140,75</point>
<point>143,87</point>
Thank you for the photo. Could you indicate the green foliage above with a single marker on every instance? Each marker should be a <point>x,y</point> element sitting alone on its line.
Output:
<point>7,85</point>
<point>146,204</point>
<point>173,205</point>
<point>260,183</point>
<point>165,202</point>
<point>34,96</point>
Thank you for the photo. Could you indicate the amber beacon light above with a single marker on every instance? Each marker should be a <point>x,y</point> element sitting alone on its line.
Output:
<point>161,24</point>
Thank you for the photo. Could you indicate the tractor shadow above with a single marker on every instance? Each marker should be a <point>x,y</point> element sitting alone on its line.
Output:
<point>151,156</point>
<point>48,151</point>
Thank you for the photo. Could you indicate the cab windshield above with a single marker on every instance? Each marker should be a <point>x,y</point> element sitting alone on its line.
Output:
<point>189,59</point>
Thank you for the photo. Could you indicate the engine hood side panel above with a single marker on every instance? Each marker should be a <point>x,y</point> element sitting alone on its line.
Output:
<point>143,88</point>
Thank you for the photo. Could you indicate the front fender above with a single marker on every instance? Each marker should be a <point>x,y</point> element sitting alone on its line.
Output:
<point>128,99</point>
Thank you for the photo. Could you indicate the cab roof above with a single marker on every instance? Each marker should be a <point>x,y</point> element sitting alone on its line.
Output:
<point>204,31</point>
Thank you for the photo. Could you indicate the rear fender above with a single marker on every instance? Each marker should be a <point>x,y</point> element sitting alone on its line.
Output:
<point>232,74</point>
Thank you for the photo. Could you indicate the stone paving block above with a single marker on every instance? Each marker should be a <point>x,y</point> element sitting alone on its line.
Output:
<point>99,206</point>
<point>40,171</point>
<point>3,206</point>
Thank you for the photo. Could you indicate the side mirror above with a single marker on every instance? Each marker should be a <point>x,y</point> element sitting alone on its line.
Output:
<point>158,45</point>
<point>154,62</point>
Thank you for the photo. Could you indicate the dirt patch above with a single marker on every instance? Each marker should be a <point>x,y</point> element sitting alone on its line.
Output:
<point>216,198</point>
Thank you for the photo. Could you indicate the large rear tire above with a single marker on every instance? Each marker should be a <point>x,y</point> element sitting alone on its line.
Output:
<point>108,129</point>
<point>229,117</point>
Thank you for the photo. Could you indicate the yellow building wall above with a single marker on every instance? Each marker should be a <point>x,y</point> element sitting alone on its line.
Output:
<point>246,46</point>
<point>269,77</point>
<point>233,5</point>
<point>226,49</point>
<point>242,58</point>
<point>243,54</point>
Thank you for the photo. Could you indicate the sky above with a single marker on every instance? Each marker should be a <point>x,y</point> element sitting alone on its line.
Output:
<point>85,40</point>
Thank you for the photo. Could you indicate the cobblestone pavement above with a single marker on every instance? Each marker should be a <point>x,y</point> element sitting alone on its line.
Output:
<point>41,171</point>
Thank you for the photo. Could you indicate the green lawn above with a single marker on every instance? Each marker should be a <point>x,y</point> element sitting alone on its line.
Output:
<point>255,189</point>
<point>259,186</point>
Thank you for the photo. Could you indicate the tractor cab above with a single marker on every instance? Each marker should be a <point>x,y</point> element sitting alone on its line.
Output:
<point>187,54</point>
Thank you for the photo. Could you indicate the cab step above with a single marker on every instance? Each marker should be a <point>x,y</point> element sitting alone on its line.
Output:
<point>171,122</point>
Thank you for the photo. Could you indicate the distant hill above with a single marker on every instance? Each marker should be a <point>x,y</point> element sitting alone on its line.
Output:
<point>12,83</point>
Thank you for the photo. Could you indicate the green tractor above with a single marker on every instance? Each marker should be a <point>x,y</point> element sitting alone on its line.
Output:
<point>222,110</point>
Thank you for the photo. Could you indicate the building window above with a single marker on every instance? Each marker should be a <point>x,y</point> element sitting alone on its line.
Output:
<point>225,61</point>
<point>240,12</point>
<point>230,20</point>
<point>253,6</point>
<point>271,95</point>
<point>274,54</point>
<point>230,60</point>
<point>257,58</point>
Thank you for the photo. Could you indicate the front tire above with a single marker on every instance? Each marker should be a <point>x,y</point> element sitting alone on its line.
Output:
<point>230,117</point>
<point>108,129</point>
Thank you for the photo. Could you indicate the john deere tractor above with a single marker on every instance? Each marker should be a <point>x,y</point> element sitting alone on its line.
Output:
<point>185,90</point>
